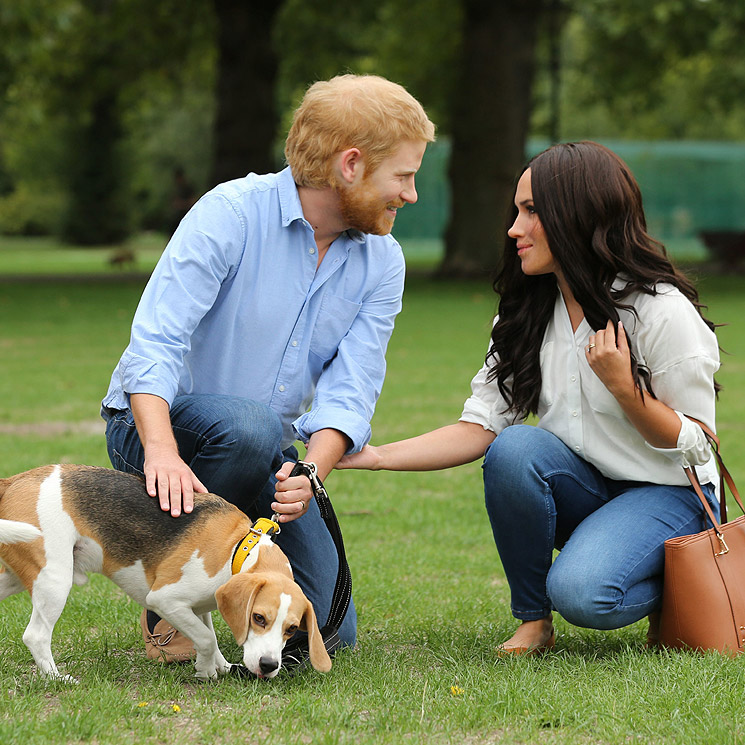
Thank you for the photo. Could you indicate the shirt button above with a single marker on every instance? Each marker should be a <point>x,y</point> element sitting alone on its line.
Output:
<point>294,343</point>
<point>281,389</point>
<point>573,378</point>
<point>574,413</point>
<point>311,251</point>
<point>576,447</point>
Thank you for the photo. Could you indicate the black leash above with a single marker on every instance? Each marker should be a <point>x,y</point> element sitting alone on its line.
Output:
<point>296,655</point>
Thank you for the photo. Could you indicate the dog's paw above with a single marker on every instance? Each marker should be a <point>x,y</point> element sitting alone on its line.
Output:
<point>223,666</point>
<point>207,671</point>
<point>60,678</point>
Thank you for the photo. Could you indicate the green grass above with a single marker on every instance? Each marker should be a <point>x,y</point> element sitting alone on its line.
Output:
<point>432,599</point>
<point>44,256</point>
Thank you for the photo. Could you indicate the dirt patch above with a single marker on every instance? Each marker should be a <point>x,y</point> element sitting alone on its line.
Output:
<point>54,429</point>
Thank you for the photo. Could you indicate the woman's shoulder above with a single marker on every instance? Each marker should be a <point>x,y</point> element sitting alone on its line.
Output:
<point>661,299</point>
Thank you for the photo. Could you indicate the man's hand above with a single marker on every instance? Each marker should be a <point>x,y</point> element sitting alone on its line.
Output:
<point>293,494</point>
<point>171,480</point>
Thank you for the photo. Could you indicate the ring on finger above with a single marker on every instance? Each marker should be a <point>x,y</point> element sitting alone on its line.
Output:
<point>590,346</point>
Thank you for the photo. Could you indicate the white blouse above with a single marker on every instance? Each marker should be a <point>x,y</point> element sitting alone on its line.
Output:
<point>672,341</point>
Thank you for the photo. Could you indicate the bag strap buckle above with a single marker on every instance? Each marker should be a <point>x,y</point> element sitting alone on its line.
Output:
<point>723,543</point>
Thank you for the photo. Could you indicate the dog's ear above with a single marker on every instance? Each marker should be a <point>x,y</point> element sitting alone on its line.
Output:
<point>235,600</point>
<point>319,657</point>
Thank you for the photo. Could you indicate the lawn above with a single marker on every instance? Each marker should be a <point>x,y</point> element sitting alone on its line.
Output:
<point>431,596</point>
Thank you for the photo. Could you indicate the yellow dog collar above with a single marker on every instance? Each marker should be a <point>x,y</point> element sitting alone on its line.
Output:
<point>263,526</point>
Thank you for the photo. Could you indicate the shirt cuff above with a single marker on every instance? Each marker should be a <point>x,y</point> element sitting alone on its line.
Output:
<point>692,448</point>
<point>140,375</point>
<point>355,427</point>
<point>476,411</point>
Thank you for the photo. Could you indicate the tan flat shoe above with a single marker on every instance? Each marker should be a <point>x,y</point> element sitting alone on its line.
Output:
<point>528,651</point>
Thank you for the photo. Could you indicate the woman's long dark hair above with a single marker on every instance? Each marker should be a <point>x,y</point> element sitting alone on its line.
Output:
<point>590,207</point>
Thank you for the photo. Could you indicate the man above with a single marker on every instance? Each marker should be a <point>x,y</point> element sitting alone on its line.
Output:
<point>266,321</point>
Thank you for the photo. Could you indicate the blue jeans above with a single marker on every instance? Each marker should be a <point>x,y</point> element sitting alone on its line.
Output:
<point>232,444</point>
<point>540,495</point>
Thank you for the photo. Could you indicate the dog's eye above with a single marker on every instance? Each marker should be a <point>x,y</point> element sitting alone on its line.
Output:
<point>259,620</point>
<point>290,630</point>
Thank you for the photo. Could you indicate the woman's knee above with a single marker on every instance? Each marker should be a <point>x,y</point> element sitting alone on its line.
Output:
<point>585,602</point>
<point>511,467</point>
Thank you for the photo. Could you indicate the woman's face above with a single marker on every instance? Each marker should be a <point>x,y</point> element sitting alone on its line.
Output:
<point>532,246</point>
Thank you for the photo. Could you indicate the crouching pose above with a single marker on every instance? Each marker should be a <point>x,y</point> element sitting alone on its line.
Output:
<point>602,339</point>
<point>266,321</point>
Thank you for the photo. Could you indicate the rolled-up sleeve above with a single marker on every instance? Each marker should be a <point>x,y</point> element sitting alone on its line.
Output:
<point>350,384</point>
<point>180,292</point>
<point>486,405</point>
<point>684,356</point>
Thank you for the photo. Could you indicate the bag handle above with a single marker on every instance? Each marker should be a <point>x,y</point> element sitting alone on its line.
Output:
<point>724,476</point>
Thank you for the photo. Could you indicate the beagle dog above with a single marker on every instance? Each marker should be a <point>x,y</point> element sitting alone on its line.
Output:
<point>59,522</point>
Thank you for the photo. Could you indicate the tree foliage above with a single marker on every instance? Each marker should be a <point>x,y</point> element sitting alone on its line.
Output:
<point>144,77</point>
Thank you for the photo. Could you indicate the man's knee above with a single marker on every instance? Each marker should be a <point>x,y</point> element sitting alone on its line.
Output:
<point>255,428</point>
<point>249,428</point>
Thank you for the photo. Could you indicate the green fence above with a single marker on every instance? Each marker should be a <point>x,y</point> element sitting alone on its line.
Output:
<point>687,187</point>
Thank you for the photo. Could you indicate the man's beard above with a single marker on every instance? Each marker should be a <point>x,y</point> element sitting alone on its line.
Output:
<point>363,210</point>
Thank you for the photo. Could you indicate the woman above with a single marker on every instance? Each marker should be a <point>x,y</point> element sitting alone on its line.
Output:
<point>601,338</point>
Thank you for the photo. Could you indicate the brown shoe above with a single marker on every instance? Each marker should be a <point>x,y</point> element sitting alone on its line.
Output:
<point>164,643</point>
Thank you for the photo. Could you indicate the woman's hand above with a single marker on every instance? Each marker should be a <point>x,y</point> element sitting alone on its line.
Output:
<point>368,459</point>
<point>609,358</point>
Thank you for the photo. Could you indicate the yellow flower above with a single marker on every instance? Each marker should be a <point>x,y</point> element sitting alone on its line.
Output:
<point>456,690</point>
<point>142,704</point>
<point>176,708</point>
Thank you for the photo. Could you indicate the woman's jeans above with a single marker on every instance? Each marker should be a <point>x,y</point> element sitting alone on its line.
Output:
<point>608,574</point>
<point>232,445</point>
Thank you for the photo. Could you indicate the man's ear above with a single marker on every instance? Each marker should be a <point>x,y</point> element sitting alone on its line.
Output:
<point>351,165</point>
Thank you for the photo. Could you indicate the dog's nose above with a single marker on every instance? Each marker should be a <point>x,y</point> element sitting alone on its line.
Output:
<point>268,665</point>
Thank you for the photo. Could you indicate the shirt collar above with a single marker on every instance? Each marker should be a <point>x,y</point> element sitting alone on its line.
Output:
<point>289,200</point>
<point>291,208</point>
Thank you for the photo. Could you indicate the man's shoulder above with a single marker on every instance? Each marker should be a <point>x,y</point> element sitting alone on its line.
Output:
<point>386,244</point>
<point>244,187</point>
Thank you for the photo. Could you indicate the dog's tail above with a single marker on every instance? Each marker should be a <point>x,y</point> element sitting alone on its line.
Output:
<point>12,531</point>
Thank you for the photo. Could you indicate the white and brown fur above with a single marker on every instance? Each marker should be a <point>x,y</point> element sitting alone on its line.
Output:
<point>59,522</point>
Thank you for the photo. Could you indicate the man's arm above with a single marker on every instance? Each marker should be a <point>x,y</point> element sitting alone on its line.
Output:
<point>166,474</point>
<point>325,449</point>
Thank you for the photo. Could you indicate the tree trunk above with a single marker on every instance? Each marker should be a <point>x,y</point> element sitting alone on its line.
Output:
<point>98,210</point>
<point>491,111</point>
<point>246,121</point>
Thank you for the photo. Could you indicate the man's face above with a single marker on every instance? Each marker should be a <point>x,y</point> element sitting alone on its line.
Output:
<point>370,204</point>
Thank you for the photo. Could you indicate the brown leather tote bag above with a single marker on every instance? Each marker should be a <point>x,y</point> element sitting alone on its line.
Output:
<point>703,604</point>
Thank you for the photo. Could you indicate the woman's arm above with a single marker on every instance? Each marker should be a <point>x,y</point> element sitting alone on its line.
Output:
<point>446,447</point>
<point>608,356</point>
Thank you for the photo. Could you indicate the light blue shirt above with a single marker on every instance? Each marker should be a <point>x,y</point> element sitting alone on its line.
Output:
<point>236,306</point>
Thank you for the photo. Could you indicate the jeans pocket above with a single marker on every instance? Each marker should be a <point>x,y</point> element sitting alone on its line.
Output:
<point>120,464</point>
